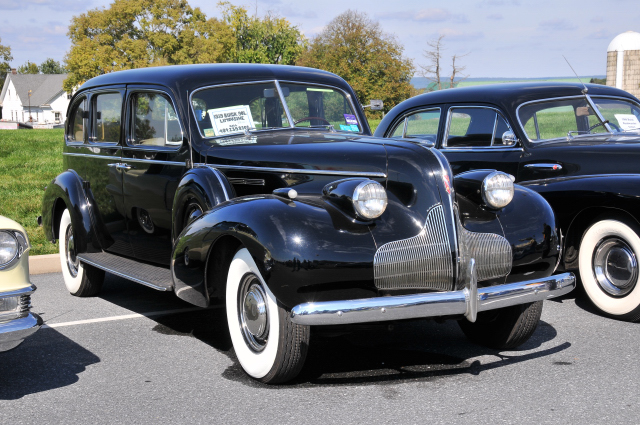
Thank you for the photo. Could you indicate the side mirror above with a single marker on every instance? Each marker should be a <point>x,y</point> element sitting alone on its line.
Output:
<point>375,105</point>
<point>509,138</point>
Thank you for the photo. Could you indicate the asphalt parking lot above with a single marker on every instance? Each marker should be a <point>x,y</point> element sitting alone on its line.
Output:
<point>135,355</point>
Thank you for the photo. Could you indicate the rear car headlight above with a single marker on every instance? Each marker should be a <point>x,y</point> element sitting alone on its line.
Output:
<point>9,247</point>
<point>497,189</point>
<point>369,199</point>
<point>9,304</point>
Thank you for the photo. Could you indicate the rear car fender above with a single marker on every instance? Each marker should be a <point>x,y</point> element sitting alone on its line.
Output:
<point>67,191</point>
<point>305,250</point>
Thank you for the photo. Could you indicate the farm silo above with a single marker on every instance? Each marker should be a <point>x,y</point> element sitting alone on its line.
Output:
<point>623,62</point>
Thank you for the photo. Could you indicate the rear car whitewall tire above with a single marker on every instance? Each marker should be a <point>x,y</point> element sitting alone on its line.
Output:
<point>80,279</point>
<point>609,268</point>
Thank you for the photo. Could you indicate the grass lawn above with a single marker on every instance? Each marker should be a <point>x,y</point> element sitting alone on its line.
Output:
<point>29,160</point>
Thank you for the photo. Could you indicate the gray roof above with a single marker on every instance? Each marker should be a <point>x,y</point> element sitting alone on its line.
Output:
<point>44,87</point>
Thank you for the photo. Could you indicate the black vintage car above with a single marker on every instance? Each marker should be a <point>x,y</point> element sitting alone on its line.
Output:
<point>578,146</point>
<point>257,186</point>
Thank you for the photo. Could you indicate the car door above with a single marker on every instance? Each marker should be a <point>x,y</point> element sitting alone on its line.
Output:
<point>472,139</point>
<point>154,159</point>
<point>99,117</point>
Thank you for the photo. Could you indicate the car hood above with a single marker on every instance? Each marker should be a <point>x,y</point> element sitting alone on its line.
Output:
<point>299,149</point>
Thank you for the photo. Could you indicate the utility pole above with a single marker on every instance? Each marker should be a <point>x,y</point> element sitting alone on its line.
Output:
<point>30,118</point>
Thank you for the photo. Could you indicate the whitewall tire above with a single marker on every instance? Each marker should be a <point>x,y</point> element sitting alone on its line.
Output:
<point>609,268</point>
<point>269,347</point>
<point>80,279</point>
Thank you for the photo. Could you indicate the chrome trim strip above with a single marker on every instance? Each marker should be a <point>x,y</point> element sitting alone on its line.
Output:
<point>299,171</point>
<point>544,166</point>
<point>126,276</point>
<point>21,291</point>
<point>626,99</point>
<point>448,124</point>
<point>453,303</point>
<point>145,161</point>
<point>250,182</point>
<point>284,104</point>
<point>482,149</point>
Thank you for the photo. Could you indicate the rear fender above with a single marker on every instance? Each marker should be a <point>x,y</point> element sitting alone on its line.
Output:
<point>67,191</point>
<point>305,250</point>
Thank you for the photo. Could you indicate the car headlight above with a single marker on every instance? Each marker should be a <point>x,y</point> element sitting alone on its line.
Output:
<point>497,189</point>
<point>369,199</point>
<point>9,247</point>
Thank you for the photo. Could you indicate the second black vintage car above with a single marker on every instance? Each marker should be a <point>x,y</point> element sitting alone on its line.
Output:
<point>578,146</point>
<point>256,186</point>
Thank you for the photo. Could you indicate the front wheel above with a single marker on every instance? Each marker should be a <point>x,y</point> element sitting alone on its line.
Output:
<point>268,345</point>
<point>80,279</point>
<point>504,328</point>
<point>609,268</point>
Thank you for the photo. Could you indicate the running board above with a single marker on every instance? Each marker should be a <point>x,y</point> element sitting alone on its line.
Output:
<point>155,277</point>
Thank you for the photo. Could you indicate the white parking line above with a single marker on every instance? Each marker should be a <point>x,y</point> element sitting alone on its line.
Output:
<point>123,317</point>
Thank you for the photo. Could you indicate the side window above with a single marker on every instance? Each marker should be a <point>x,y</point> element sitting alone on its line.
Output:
<point>471,127</point>
<point>154,121</point>
<point>423,125</point>
<point>76,129</point>
<point>106,116</point>
<point>399,130</point>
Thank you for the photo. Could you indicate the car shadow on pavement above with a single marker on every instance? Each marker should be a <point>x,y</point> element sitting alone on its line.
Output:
<point>44,361</point>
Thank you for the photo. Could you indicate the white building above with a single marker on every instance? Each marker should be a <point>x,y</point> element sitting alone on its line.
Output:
<point>46,105</point>
<point>623,62</point>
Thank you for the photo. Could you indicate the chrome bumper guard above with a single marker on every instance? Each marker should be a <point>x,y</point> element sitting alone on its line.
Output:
<point>467,302</point>
<point>13,332</point>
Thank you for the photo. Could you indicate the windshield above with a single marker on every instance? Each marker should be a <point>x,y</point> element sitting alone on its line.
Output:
<point>234,109</point>
<point>571,117</point>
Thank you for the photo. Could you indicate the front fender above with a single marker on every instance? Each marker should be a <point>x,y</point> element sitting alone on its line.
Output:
<point>67,191</point>
<point>305,249</point>
<point>528,223</point>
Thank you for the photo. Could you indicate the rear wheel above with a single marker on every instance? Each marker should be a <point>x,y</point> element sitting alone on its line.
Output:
<point>268,345</point>
<point>504,328</point>
<point>609,268</point>
<point>80,279</point>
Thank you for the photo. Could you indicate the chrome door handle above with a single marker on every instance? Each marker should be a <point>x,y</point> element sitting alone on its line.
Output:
<point>123,166</point>
<point>544,166</point>
<point>120,166</point>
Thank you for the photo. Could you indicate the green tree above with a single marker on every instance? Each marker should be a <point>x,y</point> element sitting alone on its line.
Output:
<point>140,33</point>
<point>370,60</point>
<point>5,57</point>
<point>50,66</point>
<point>28,68</point>
<point>270,39</point>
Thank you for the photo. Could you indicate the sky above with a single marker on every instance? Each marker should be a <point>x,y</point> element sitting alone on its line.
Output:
<point>500,38</point>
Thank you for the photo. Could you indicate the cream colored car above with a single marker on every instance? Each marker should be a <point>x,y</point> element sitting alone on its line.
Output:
<point>16,320</point>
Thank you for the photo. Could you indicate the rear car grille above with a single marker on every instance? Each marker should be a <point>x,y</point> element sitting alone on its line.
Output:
<point>421,262</point>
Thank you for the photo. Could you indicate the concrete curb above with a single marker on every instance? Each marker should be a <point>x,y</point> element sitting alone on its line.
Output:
<point>41,264</point>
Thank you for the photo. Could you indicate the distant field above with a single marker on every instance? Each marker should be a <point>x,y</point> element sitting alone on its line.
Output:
<point>421,82</point>
<point>29,160</point>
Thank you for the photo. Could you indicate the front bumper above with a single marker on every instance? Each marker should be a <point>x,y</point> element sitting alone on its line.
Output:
<point>13,332</point>
<point>467,302</point>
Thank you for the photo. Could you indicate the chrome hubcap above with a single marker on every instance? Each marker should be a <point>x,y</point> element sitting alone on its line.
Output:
<point>70,253</point>
<point>253,312</point>
<point>615,267</point>
<point>144,219</point>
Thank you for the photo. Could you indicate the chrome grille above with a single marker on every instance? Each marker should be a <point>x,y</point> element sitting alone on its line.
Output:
<point>421,262</point>
<point>492,253</point>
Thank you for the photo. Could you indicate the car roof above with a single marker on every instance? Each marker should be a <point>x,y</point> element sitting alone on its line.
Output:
<point>187,77</point>
<point>509,95</point>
